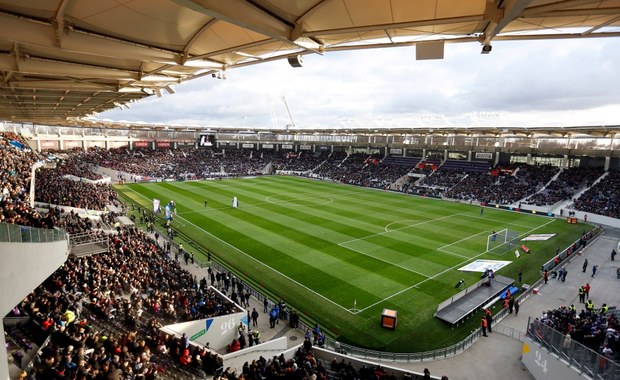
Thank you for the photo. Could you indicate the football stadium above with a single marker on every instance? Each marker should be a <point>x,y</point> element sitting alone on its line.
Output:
<point>423,246</point>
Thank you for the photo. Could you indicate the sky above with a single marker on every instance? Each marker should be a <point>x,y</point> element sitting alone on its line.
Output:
<point>520,83</point>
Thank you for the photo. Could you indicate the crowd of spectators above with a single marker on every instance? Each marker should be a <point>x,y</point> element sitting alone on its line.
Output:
<point>344,169</point>
<point>137,286</point>
<point>602,198</point>
<point>303,161</point>
<point>523,181</point>
<point>569,182</point>
<point>596,329</point>
<point>182,163</point>
<point>472,188</point>
<point>70,162</point>
<point>330,165</point>
<point>445,179</point>
<point>363,170</point>
<point>51,187</point>
<point>359,169</point>
<point>247,162</point>
<point>16,163</point>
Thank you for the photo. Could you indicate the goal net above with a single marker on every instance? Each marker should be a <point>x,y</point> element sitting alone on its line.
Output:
<point>500,242</point>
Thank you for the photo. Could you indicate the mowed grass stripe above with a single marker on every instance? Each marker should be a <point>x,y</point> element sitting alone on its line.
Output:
<point>299,259</point>
<point>341,211</point>
<point>377,210</point>
<point>377,198</point>
<point>327,225</point>
<point>373,208</point>
<point>267,238</point>
<point>323,283</point>
<point>298,243</point>
<point>415,265</point>
<point>307,218</point>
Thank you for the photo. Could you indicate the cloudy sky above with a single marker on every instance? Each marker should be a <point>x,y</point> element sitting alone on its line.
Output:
<point>534,83</point>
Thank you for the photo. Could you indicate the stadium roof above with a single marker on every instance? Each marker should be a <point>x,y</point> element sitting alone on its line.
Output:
<point>61,60</point>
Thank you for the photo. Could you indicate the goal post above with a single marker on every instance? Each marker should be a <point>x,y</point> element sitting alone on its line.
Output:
<point>500,242</point>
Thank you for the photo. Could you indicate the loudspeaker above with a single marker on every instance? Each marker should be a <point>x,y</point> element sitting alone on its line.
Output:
<point>296,61</point>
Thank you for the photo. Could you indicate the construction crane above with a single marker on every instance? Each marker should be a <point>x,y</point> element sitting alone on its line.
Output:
<point>277,107</point>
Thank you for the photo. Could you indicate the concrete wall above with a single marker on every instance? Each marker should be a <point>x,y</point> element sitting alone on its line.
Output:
<point>267,349</point>
<point>23,267</point>
<point>215,332</point>
<point>544,366</point>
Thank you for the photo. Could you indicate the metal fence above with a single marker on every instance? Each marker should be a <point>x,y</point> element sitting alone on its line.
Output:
<point>585,360</point>
<point>14,233</point>
<point>404,357</point>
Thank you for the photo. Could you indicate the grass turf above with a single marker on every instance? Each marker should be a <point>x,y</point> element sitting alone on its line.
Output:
<point>340,254</point>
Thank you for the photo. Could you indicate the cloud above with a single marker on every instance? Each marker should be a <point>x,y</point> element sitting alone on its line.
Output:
<point>524,81</point>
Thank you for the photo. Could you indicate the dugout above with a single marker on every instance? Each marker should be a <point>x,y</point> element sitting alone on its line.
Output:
<point>467,302</point>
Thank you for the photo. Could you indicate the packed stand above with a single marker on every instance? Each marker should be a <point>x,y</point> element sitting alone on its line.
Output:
<point>363,170</point>
<point>525,181</point>
<point>331,165</point>
<point>602,198</point>
<point>182,163</point>
<point>472,188</point>
<point>302,366</point>
<point>16,161</point>
<point>186,163</point>
<point>445,178</point>
<point>505,187</point>
<point>563,188</point>
<point>597,329</point>
<point>243,162</point>
<point>51,187</point>
<point>70,162</point>
<point>104,312</point>
<point>380,175</point>
<point>303,161</point>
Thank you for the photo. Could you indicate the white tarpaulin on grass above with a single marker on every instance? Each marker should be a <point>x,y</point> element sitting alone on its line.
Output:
<point>483,265</point>
<point>534,237</point>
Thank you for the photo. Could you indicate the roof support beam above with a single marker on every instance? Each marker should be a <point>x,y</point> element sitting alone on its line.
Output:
<point>189,44</point>
<point>33,32</point>
<point>602,25</point>
<point>49,67</point>
<point>247,15</point>
<point>511,9</point>
<point>59,22</point>
<point>231,49</point>
<point>400,25</point>
<point>310,11</point>
<point>557,6</point>
<point>577,12</point>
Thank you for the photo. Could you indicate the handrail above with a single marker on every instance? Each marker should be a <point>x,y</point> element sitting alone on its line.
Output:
<point>15,233</point>
<point>441,353</point>
<point>583,359</point>
<point>86,238</point>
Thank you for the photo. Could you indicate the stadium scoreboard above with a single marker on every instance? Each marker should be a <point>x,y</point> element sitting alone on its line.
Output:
<point>206,140</point>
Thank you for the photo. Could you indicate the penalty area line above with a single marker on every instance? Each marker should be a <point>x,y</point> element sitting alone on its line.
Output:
<point>385,261</point>
<point>400,228</point>
<point>445,271</point>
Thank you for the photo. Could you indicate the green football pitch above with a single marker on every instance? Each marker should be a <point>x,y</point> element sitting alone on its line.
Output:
<point>340,254</point>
